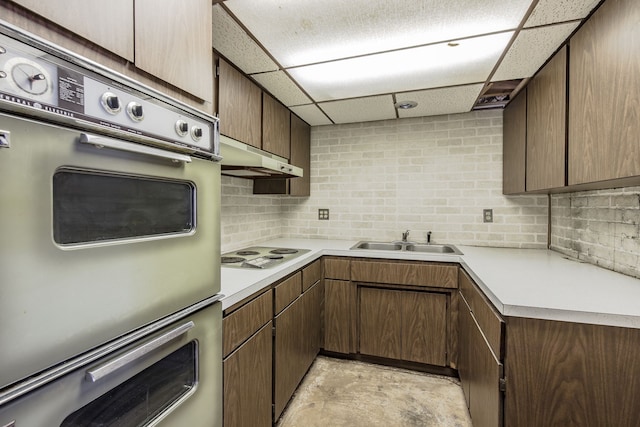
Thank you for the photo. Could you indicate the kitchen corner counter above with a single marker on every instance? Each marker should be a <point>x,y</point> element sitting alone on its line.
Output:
<point>535,283</point>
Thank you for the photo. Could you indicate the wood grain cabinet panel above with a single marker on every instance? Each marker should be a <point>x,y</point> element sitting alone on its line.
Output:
<point>424,328</point>
<point>405,273</point>
<point>173,42</point>
<point>312,301</point>
<point>403,325</point>
<point>514,142</point>
<point>546,125</point>
<point>242,323</point>
<point>288,355</point>
<point>248,381</point>
<point>276,127</point>
<point>604,95</point>
<point>287,291</point>
<point>88,18</point>
<point>300,156</point>
<point>489,320</point>
<point>311,274</point>
<point>338,306</point>
<point>380,323</point>
<point>337,268</point>
<point>571,374</point>
<point>239,106</point>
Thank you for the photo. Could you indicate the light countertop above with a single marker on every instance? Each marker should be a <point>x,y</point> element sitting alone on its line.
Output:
<point>534,283</point>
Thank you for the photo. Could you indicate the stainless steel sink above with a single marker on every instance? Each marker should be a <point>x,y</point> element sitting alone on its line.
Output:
<point>407,246</point>
<point>379,246</point>
<point>433,248</point>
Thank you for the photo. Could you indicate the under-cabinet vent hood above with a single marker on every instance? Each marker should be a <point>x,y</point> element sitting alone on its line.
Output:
<point>244,161</point>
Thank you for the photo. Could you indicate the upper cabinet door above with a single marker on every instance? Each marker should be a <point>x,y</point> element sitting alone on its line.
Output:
<point>108,24</point>
<point>276,124</point>
<point>239,106</point>
<point>514,144</point>
<point>546,125</point>
<point>604,95</point>
<point>300,156</point>
<point>173,43</point>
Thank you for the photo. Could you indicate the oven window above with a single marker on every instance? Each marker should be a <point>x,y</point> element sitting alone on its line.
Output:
<point>91,207</point>
<point>143,397</point>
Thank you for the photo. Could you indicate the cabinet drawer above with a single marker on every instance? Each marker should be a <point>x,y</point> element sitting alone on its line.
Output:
<point>337,268</point>
<point>405,273</point>
<point>311,274</point>
<point>287,291</point>
<point>244,322</point>
<point>488,319</point>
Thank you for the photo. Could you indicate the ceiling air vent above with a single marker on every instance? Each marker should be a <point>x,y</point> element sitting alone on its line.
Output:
<point>498,94</point>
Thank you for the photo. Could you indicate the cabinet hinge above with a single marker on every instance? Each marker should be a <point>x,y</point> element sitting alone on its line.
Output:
<point>273,331</point>
<point>502,385</point>
<point>217,71</point>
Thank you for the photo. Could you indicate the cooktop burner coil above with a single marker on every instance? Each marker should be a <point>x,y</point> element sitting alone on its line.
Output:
<point>247,253</point>
<point>231,259</point>
<point>284,251</point>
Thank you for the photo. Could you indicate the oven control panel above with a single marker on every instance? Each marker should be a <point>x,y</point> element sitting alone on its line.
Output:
<point>40,84</point>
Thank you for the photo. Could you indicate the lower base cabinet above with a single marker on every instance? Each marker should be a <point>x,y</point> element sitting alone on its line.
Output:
<point>404,325</point>
<point>480,372</point>
<point>247,382</point>
<point>296,344</point>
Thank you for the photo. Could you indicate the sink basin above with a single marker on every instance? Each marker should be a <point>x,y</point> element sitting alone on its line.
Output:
<point>434,249</point>
<point>407,246</point>
<point>379,246</point>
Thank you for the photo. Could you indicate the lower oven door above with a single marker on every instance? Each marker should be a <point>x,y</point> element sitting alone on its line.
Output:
<point>97,239</point>
<point>170,378</point>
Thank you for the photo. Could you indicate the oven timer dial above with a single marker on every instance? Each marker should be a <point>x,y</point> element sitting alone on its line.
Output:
<point>182,127</point>
<point>28,76</point>
<point>135,111</point>
<point>110,102</point>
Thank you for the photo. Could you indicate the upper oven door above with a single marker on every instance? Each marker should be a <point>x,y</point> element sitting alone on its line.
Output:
<point>99,237</point>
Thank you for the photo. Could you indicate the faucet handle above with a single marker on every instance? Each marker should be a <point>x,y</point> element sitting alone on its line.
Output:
<point>405,236</point>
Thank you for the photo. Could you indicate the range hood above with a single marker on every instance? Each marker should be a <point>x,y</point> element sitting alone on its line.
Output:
<point>244,161</point>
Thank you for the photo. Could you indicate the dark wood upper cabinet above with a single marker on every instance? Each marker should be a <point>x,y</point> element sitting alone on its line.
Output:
<point>300,156</point>
<point>546,125</point>
<point>276,127</point>
<point>514,141</point>
<point>239,106</point>
<point>604,95</point>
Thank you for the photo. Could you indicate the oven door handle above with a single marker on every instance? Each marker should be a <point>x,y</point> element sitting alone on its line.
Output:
<point>101,142</point>
<point>116,363</point>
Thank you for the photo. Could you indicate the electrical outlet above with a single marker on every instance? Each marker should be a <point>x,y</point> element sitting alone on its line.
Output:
<point>487,215</point>
<point>323,214</point>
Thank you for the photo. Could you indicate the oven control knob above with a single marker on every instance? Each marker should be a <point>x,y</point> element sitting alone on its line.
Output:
<point>135,111</point>
<point>110,102</point>
<point>196,133</point>
<point>182,127</point>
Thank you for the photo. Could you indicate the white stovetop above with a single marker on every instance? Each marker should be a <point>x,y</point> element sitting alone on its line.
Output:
<point>533,283</point>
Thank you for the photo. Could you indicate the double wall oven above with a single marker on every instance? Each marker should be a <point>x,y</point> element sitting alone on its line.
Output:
<point>109,248</point>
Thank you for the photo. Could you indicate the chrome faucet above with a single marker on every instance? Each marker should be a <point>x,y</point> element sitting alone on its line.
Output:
<point>405,236</point>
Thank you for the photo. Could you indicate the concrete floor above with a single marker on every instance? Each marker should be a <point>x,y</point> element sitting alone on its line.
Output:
<point>339,393</point>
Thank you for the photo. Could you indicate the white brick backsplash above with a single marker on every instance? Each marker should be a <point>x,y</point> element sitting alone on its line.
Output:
<point>432,174</point>
<point>600,227</point>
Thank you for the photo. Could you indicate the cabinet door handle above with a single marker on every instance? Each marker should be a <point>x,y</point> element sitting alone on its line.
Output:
<point>118,362</point>
<point>101,142</point>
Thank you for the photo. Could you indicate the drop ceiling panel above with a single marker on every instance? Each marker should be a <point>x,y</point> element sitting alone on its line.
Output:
<point>282,87</point>
<point>235,44</point>
<point>311,114</point>
<point>553,11</point>
<point>531,49</point>
<point>410,69</point>
<point>309,31</point>
<point>434,102</point>
<point>360,109</point>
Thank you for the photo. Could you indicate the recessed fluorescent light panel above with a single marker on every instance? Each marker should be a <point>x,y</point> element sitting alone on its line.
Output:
<point>430,66</point>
